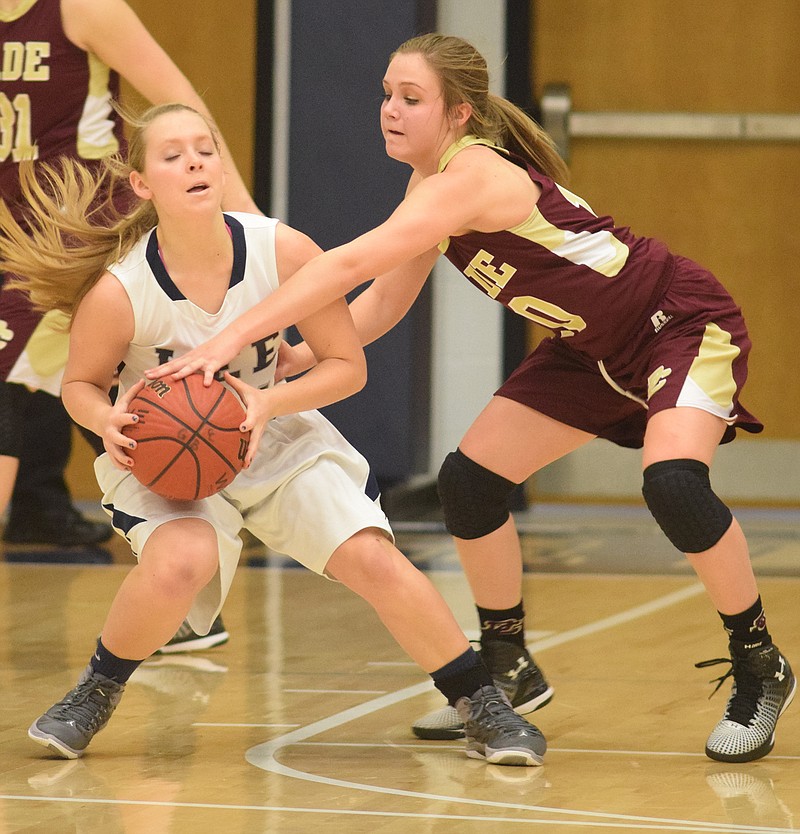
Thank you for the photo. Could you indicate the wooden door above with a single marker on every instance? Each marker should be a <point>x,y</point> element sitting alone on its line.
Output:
<point>731,205</point>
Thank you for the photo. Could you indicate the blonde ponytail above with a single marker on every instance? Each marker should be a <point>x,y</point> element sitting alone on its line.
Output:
<point>521,135</point>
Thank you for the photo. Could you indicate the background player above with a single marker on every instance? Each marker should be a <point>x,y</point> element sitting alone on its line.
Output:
<point>62,65</point>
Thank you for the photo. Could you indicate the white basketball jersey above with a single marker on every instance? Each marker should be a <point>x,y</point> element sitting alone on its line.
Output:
<point>167,324</point>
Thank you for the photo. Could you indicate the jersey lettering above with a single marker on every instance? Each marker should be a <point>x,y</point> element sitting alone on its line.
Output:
<point>489,278</point>
<point>23,61</point>
<point>6,334</point>
<point>265,352</point>
<point>15,129</point>
<point>492,280</point>
<point>549,315</point>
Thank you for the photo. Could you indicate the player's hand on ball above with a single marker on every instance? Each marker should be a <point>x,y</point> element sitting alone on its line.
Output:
<point>258,413</point>
<point>115,442</point>
<point>205,359</point>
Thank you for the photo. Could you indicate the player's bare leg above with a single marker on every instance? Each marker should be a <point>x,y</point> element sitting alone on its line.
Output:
<point>179,559</point>
<point>8,474</point>
<point>725,569</point>
<point>512,441</point>
<point>402,596</point>
<point>525,442</point>
<point>419,619</point>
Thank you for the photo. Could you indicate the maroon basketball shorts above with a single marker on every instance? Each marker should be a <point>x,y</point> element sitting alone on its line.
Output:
<point>693,353</point>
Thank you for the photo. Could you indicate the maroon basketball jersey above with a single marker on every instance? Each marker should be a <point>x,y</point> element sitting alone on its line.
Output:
<point>589,281</point>
<point>55,99</point>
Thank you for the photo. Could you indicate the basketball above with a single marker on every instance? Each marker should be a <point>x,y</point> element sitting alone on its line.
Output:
<point>188,441</point>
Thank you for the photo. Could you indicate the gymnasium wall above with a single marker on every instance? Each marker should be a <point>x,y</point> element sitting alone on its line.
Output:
<point>731,205</point>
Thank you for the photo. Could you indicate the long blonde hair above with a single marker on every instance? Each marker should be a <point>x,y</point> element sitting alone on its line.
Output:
<point>73,228</point>
<point>464,77</point>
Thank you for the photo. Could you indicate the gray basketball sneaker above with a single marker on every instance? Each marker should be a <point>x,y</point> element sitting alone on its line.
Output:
<point>496,733</point>
<point>68,726</point>
<point>513,670</point>
<point>763,686</point>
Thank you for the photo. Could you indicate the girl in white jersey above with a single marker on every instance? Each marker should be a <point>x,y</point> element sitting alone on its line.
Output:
<point>649,351</point>
<point>159,281</point>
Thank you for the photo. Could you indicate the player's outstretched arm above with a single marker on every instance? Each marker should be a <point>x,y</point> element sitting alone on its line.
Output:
<point>436,208</point>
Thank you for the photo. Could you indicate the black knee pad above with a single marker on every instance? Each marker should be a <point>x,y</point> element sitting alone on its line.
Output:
<point>474,500</point>
<point>679,495</point>
<point>12,405</point>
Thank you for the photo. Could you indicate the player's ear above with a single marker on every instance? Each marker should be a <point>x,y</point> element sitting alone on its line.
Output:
<point>462,113</point>
<point>139,186</point>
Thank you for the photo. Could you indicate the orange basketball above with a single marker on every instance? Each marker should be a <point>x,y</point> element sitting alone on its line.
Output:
<point>188,441</point>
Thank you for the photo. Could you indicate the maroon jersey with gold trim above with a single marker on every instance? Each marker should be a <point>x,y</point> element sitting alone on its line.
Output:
<point>591,282</point>
<point>55,99</point>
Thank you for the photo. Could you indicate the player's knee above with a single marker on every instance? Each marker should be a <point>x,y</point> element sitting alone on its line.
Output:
<point>679,495</point>
<point>474,499</point>
<point>186,569</point>
<point>367,560</point>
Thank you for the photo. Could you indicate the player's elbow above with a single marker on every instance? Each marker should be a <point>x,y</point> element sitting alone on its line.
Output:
<point>358,373</point>
<point>346,270</point>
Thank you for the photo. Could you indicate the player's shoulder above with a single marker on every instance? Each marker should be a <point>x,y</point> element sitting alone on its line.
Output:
<point>252,221</point>
<point>134,258</point>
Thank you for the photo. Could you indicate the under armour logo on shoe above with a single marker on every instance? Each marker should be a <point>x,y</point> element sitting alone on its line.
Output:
<point>522,665</point>
<point>780,674</point>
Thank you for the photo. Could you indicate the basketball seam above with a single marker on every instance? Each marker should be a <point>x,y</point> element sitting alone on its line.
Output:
<point>184,445</point>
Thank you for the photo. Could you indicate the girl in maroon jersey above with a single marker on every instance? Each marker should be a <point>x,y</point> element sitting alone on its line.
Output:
<point>649,351</point>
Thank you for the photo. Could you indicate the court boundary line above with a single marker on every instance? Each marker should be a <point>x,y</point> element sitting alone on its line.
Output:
<point>600,820</point>
<point>263,755</point>
<point>702,828</point>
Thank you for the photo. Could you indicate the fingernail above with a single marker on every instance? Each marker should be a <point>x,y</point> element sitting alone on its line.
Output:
<point>135,418</point>
<point>132,445</point>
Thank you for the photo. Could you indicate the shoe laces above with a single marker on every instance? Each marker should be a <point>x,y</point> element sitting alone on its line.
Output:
<point>88,704</point>
<point>497,712</point>
<point>743,703</point>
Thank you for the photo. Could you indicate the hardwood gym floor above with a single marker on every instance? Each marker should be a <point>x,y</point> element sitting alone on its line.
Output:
<point>301,721</point>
